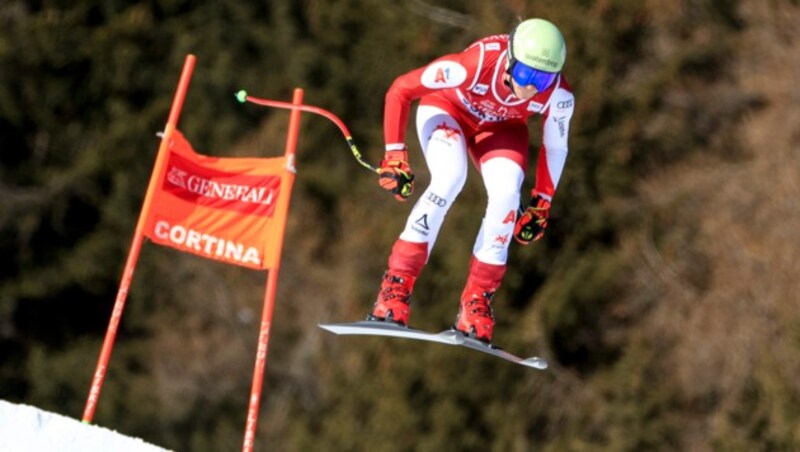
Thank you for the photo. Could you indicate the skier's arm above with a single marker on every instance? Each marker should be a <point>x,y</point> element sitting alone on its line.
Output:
<point>554,149</point>
<point>532,221</point>
<point>395,172</point>
<point>446,72</point>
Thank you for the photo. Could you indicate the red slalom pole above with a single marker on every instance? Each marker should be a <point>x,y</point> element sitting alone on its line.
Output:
<point>243,97</point>
<point>136,245</point>
<point>251,426</point>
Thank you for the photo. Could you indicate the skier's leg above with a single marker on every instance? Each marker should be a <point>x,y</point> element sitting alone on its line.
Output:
<point>501,154</point>
<point>445,151</point>
<point>503,179</point>
<point>444,148</point>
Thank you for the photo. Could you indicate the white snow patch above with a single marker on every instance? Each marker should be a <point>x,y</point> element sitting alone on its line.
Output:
<point>25,428</point>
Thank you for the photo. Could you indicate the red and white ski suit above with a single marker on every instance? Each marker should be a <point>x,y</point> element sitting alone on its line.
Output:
<point>467,109</point>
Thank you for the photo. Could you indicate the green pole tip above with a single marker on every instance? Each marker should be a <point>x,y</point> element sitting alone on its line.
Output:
<point>241,96</point>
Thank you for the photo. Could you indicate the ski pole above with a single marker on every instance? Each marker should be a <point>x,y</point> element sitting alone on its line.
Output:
<point>242,97</point>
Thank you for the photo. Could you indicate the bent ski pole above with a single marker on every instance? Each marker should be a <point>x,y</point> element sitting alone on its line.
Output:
<point>242,97</point>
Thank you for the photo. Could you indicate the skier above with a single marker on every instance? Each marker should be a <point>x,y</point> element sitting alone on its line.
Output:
<point>476,103</point>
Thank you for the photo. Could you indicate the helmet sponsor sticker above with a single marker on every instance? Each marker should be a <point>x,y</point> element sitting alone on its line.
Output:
<point>535,60</point>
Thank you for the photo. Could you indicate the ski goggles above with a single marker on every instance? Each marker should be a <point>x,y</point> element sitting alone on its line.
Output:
<point>525,75</point>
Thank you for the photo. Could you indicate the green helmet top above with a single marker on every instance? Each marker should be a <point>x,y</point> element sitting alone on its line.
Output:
<point>539,44</point>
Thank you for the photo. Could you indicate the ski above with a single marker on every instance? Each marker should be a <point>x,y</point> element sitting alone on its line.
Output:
<point>448,337</point>
<point>378,328</point>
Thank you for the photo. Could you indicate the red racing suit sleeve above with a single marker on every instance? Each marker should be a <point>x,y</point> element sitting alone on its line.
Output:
<point>449,71</point>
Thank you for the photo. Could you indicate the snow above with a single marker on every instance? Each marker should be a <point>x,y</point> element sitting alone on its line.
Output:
<point>25,428</point>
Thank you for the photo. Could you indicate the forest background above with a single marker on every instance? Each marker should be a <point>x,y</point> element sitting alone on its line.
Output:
<point>665,292</point>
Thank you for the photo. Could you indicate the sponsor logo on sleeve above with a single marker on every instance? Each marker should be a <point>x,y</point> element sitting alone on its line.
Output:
<point>562,125</point>
<point>564,104</point>
<point>443,74</point>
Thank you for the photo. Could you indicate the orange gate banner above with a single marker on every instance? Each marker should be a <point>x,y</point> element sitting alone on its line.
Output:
<point>225,209</point>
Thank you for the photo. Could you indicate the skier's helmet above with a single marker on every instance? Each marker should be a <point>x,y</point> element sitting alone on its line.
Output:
<point>539,44</point>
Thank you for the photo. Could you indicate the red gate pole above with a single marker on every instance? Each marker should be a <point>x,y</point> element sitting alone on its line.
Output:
<point>272,278</point>
<point>136,245</point>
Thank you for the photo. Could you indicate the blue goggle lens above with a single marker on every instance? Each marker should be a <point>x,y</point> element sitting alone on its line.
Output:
<point>526,76</point>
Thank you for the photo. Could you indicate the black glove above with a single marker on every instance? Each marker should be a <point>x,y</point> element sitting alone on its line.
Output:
<point>532,221</point>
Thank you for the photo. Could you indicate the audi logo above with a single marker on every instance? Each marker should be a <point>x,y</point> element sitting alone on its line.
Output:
<point>436,199</point>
